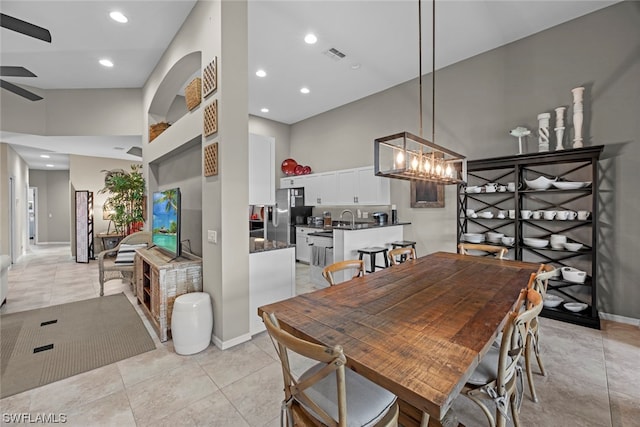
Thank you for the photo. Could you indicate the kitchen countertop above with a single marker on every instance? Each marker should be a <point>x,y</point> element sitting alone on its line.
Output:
<point>347,226</point>
<point>262,245</point>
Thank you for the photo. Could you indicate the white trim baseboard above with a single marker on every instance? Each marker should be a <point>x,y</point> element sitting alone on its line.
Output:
<point>620,319</point>
<point>223,345</point>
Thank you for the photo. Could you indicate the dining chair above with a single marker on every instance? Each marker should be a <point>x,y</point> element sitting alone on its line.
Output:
<point>402,253</point>
<point>327,393</point>
<point>499,375</point>
<point>110,268</point>
<point>539,282</point>
<point>498,251</point>
<point>355,265</point>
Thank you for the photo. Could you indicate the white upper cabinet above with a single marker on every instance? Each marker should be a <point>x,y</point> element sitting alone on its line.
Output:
<point>262,171</point>
<point>347,192</point>
<point>348,187</point>
<point>372,189</point>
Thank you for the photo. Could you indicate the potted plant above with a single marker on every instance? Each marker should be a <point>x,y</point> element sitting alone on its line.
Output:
<point>126,198</point>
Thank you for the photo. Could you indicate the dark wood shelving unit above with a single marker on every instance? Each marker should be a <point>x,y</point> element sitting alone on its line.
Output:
<point>578,165</point>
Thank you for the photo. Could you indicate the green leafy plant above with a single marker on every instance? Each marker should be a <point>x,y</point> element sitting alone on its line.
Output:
<point>126,198</point>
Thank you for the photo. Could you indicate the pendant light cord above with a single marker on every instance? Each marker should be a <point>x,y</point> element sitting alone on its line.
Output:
<point>420,60</point>
<point>433,69</point>
<point>433,76</point>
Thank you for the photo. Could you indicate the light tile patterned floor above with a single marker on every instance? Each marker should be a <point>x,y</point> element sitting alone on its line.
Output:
<point>592,379</point>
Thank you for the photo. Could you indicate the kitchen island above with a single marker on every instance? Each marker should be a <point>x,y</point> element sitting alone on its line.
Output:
<point>346,239</point>
<point>272,276</point>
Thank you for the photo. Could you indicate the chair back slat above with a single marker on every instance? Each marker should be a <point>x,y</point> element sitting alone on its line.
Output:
<point>400,255</point>
<point>357,265</point>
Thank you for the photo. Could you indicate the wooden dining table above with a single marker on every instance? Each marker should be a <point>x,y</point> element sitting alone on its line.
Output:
<point>418,329</point>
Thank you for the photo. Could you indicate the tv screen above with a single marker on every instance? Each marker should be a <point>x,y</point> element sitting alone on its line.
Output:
<point>166,221</point>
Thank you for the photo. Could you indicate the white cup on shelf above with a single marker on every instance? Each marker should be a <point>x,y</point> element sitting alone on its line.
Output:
<point>583,215</point>
<point>525,214</point>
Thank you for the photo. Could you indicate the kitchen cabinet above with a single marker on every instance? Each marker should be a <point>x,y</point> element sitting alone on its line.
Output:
<point>303,244</point>
<point>262,188</point>
<point>272,278</point>
<point>575,166</point>
<point>372,189</point>
<point>348,187</point>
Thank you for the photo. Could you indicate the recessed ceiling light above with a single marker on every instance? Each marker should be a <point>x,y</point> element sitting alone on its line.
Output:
<point>261,73</point>
<point>49,165</point>
<point>45,156</point>
<point>118,148</point>
<point>305,90</point>
<point>118,17</point>
<point>355,67</point>
<point>265,110</point>
<point>310,38</point>
<point>106,63</point>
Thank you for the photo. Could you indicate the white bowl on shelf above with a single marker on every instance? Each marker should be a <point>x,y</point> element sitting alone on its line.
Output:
<point>575,306</point>
<point>473,189</point>
<point>552,300</point>
<point>485,215</point>
<point>473,237</point>
<point>535,243</point>
<point>508,240</point>
<point>573,275</point>
<point>540,183</point>
<point>568,185</point>
<point>572,246</point>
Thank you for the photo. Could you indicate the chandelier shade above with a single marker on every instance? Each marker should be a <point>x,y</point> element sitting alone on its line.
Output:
<point>410,157</point>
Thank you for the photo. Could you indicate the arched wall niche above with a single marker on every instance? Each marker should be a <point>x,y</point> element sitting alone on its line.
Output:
<point>168,103</point>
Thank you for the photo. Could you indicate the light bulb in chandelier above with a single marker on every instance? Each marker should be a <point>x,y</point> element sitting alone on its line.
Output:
<point>414,163</point>
<point>438,169</point>
<point>400,158</point>
<point>448,170</point>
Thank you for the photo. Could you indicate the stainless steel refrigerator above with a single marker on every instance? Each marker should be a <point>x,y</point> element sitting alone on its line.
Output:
<point>288,212</point>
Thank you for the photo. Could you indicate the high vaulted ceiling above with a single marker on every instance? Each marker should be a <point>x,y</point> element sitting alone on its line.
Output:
<point>378,38</point>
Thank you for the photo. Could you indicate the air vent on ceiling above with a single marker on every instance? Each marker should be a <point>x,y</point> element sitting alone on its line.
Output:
<point>135,151</point>
<point>334,54</point>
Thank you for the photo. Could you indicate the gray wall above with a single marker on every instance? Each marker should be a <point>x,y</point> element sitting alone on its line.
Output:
<point>479,100</point>
<point>52,205</point>
<point>184,170</point>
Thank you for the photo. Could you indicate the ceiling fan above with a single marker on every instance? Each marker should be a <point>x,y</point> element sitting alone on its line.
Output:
<point>28,29</point>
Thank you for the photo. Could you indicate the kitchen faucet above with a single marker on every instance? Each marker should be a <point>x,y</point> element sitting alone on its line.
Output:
<point>353,220</point>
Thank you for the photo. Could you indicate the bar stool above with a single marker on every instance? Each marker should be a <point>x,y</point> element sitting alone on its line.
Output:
<point>372,252</point>
<point>404,244</point>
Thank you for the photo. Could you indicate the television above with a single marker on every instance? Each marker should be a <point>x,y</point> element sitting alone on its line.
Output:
<point>165,224</point>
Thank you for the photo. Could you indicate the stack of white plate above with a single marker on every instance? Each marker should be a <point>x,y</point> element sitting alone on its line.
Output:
<point>473,237</point>
<point>494,237</point>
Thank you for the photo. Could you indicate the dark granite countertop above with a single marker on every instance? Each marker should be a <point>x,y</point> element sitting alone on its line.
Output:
<point>347,226</point>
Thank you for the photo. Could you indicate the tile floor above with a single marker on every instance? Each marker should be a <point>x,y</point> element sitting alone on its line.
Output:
<point>592,375</point>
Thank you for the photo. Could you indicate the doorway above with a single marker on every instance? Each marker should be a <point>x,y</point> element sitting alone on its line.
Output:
<point>32,215</point>
<point>12,225</point>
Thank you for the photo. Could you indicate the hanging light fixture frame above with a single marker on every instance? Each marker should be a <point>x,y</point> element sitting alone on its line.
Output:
<point>410,157</point>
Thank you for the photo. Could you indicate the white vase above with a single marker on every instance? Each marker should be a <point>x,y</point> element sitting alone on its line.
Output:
<point>559,127</point>
<point>543,131</point>
<point>577,116</point>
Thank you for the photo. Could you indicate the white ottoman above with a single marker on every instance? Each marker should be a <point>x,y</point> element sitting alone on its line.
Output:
<point>191,322</point>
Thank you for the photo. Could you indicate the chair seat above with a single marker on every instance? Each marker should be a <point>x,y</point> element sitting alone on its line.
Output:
<point>367,403</point>
<point>487,369</point>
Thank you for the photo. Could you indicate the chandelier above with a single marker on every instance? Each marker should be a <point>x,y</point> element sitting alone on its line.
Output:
<point>407,156</point>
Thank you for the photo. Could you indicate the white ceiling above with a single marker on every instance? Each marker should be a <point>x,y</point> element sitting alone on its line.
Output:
<point>379,36</point>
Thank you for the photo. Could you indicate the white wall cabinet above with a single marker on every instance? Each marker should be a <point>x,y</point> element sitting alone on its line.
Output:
<point>303,245</point>
<point>348,187</point>
<point>372,189</point>
<point>262,173</point>
<point>272,278</point>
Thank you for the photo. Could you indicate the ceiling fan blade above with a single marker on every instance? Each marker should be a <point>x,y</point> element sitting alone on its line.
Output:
<point>23,27</point>
<point>135,151</point>
<point>11,71</point>
<point>19,91</point>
